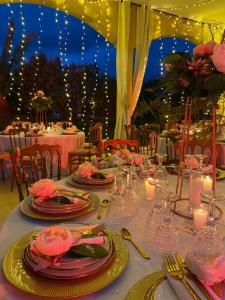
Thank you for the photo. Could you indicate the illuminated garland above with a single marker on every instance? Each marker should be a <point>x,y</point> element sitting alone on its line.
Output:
<point>11,73</point>
<point>21,70</point>
<point>107,100</point>
<point>84,78</point>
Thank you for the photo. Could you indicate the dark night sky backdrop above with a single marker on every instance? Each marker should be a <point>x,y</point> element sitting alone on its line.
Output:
<point>49,39</point>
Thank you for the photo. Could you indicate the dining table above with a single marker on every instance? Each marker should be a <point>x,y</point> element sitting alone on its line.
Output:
<point>133,216</point>
<point>68,142</point>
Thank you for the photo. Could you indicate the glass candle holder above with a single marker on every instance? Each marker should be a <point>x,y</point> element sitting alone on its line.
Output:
<point>149,188</point>
<point>207,183</point>
<point>200,216</point>
<point>195,187</point>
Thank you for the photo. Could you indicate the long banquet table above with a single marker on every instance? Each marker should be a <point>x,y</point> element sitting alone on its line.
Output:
<point>68,142</point>
<point>17,224</point>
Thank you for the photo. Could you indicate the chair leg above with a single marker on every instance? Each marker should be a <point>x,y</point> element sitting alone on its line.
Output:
<point>3,171</point>
<point>12,184</point>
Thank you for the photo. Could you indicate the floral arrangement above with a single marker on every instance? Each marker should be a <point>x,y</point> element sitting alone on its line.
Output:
<point>44,189</point>
<point>40,102</point>
<point>200,76</point>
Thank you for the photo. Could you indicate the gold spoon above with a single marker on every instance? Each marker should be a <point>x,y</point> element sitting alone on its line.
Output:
<point>104,204</point>
<point>127,236</point>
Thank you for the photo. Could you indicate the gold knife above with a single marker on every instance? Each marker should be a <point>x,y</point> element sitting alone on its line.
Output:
<point>181,262</point>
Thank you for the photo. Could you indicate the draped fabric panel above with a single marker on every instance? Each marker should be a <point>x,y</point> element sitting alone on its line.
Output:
<point>131,64</point>
<point>122,63</point>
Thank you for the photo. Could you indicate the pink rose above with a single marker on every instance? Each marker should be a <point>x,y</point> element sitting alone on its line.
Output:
<point>204,49</point>
<point>85,170</point>
<point>218,57</point>
<point>43,189</point>
<point>54,240</point>
<point>137,159</point>
<point>192,163</point>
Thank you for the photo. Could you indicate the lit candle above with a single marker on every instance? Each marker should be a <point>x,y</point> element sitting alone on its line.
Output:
<point>196,185</point>
<point>48,129</point>
<point>149,189</point>
<point>207,184</point>
<point>200,216</point>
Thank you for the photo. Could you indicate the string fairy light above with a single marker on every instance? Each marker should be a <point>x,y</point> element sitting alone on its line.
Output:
<point>190,5</point>
<point>92,99</point>
<point>21,69</point>
<point>106,83</point>
<point>11,28</point>
<point>84,77</point>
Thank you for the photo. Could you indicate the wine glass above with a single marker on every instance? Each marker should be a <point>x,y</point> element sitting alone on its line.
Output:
<point>160,169</point>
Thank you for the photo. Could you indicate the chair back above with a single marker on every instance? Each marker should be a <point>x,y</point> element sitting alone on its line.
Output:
<point>153,143</point>
<point>95,134</point>
<point>35,162</point>
<point>21,124</point>
<point>110,145</point>
<point>19,138</point>
<point>131,132</point>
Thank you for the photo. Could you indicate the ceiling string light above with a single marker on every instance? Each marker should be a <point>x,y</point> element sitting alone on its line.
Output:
<point>37,52</point>
<point>65,60</point>
<point>21,69</point>
<point>92,98</point>
<point>11,28</point>
<point>84,77</point>
<point>106,83</point>
<point>190,5</point>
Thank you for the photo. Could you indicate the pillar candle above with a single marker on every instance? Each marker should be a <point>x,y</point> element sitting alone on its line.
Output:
<point>196,186</point>
<point>207,184</point>
<point>149,189</point>
<point>200,216</point>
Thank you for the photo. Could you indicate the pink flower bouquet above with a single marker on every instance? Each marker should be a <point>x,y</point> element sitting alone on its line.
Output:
<point>43,189</point>
<point>85,170</point>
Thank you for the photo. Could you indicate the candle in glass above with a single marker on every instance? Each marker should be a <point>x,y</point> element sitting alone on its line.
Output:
<point>149,188</point>
<point>196,185</point>
<point>207,184</point>
<point>200,215</point>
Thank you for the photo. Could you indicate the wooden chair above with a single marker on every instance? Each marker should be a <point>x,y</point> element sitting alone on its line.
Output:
<point>153,145</point>
<point>131,132</point>
<point>21,124</point>
<point>35,169</point>
<point>111,145</point>
<point>89,151</point>
<point>20,138</point>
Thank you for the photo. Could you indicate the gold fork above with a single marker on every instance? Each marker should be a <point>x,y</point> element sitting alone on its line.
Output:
<point>94,230</point>
<point>175,271</point>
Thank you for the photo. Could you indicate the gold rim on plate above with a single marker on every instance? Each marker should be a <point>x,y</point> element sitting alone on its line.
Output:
<point>146,287</point>
<point>19,276</point>
<point>71,182</point>
<point>25,207</point>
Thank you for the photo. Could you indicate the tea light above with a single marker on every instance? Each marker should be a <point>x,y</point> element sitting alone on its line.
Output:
<point>48,129</point>
<point>207,184</point>
<point>200,215</point>
<point>149,189</point>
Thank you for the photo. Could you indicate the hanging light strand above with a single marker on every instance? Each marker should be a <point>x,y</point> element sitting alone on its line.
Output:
<point>106,83</point>
<point>21,69</point>
<point>84,77</point>
<point>65,59</point>
<point>11,28</point>
<point>96,79</point>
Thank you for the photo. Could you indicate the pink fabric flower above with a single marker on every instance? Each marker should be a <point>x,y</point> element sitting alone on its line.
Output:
<point>117,152</point>
<point>6,130</point>
<point>218,57</point>
<point>204,49</point>
<point>192,163</point>
<point>137,159</point>
<point>125,153</point>
<point>85,170</point>
<point>54,240</point>
<point>43,189</point>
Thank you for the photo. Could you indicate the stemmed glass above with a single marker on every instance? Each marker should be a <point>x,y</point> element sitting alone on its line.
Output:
<point>160,169</point>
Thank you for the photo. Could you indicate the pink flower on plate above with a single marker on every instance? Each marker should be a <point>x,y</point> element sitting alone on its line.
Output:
<point>54,240</point>
<point>218,57</point>
<point>85,170</point>
<point>192,163</point>
<point>117,152</point>
<point>125,153</point>
<point>204,49</point>
<point>43,189</point>
<point>137,158</point>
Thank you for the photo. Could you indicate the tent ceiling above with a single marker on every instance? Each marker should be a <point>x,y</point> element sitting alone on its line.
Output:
<point>95,12</point>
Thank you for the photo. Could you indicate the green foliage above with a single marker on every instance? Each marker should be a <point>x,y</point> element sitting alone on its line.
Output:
<point>87,250</point>
<point>42,103</point>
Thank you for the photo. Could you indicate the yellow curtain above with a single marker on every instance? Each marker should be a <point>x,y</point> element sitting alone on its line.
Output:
<point>122,67</point>
<point>143,42</point>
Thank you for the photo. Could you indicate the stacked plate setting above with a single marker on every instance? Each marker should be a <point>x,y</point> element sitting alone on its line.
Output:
<point>70,267</point>
<point>47,207</point>
<point>92,181</point>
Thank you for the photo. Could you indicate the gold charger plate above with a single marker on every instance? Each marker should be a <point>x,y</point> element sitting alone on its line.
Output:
<point>25,207</point>
<point>220,174</point>
<point>71,182</point>
<point>146,287</point>
<point>19,276</point>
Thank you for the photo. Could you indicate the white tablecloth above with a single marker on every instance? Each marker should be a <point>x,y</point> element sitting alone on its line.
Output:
<point>68,143</point>
<point>18,224</point>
